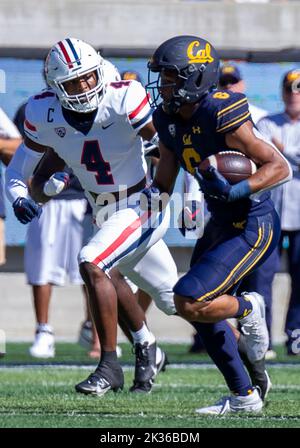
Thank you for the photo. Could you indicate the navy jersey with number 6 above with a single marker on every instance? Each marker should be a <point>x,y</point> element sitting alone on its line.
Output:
<point>203,135</point>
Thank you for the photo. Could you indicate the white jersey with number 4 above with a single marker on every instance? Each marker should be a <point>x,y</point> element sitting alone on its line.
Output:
<point>104,155</point>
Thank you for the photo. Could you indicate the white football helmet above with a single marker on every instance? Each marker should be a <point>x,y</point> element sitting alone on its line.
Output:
<point>69,59</point>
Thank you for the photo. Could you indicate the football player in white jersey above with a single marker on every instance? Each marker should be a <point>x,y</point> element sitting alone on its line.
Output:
<point>97,130</point>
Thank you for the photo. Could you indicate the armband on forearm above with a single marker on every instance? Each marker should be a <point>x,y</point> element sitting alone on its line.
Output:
<point>239,191</point>
<point>56,184</point>
<point>155,140</point>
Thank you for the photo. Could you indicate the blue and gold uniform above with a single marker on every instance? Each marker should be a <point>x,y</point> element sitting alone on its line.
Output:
<point>240,234</point>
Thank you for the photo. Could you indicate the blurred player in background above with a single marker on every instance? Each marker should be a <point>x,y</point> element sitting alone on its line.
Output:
<point>97,130</point>
<point>9,141</point>
<point>283,129</point>
<point>194,121</point>
<point>231,78</point>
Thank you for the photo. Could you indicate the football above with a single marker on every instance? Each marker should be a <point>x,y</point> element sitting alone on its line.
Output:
<point>233,165</point>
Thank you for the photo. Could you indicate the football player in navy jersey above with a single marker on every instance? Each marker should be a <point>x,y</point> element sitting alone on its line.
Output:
<point>194,121</point>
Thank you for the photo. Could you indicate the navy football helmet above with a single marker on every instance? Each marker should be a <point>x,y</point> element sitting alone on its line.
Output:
<point>196,63</point>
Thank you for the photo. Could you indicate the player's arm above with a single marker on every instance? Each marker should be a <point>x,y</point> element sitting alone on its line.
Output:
<point>21,168</point>
<point>166,171</point>
<point>49,179</point>
<point>273,168</point>
<point>158,193</point>
<point>150,137</point>
<point>17,174</point>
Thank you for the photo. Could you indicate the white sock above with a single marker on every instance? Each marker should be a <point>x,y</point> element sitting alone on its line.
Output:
<point>158,355</point>
<point>143,335</point>
<point>44,327</point>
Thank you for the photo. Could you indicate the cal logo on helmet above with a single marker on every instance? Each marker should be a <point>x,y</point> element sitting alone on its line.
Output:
<point>201,56</point>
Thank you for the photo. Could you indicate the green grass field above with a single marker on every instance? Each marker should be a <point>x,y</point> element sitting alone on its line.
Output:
<point>39,395</point>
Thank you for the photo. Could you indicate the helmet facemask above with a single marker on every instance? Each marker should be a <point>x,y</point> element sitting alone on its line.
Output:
<point>182,92</point>
<point>83,102</point>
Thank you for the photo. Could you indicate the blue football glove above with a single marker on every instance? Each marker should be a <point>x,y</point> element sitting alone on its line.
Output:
<point>216,186</point>
<point>213,184</point>
<point>150,198</point>
<point>26,209</point>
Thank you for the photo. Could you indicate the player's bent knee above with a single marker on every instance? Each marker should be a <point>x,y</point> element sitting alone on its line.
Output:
<point>189,286</point>
<point>164,300</point>
<point>90,273</point>
<point>184,307</point>
<point>191,310</point>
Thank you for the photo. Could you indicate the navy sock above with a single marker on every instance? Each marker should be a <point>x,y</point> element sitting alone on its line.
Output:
<point>221,346</point>
<point>245,307</point>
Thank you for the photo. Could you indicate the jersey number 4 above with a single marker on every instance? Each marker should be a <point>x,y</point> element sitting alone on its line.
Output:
<point>92,158</point>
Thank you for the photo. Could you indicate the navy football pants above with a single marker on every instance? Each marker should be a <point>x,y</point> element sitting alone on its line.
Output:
<point>225,255</point>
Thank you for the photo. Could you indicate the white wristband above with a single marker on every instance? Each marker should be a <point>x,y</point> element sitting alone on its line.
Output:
<point>53,186</point>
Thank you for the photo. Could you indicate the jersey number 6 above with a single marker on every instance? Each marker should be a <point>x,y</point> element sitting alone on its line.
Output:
<point>92,158</point>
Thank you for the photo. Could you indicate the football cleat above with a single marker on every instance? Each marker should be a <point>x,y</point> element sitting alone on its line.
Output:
<point>250,403</point>
<point>254,327</point>
<point>256,369</point>
<point>162,363</point>
<point>106,377</point>
<point>263,384</point>
<point>145,367</point>
<point>43,346</point>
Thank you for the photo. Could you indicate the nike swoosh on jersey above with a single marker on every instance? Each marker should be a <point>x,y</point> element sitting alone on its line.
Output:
<point>105,127</point>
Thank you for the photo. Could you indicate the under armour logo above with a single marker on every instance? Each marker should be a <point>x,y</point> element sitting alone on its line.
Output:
<point>239,225</point>
<point>196,130</point>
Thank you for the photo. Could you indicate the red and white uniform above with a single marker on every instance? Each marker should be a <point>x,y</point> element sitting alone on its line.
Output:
<point>55,239</point>
<point>107,156</point>
<point>113,137</point>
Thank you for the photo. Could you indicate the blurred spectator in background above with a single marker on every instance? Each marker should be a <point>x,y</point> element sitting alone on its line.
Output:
<point>127,75</point>
<point>231,79</point>
<point>261,279</point>
<point>283,129</point>
<point>9,141</point>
